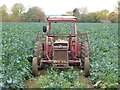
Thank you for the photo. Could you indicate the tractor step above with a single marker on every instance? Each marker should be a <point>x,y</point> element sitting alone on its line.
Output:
<point>60,66</point>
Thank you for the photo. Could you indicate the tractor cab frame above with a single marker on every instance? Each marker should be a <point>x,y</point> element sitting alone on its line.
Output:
<point>61,51</point>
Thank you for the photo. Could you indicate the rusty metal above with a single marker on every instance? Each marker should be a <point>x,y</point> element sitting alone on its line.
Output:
<point>63,53</point>
<point>60,66</point>
<point>60,53</point>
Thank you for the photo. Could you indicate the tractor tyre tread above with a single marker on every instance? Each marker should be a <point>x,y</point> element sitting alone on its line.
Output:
<point>35,70</point>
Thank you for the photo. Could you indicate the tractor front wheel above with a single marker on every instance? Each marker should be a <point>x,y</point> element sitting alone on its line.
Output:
<point>35,66</point>
<point>86,67</point>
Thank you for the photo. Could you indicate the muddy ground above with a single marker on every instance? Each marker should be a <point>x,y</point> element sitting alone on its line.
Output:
<point>30,83</point>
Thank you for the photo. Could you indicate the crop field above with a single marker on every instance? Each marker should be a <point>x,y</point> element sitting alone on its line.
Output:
<point>18,41</point>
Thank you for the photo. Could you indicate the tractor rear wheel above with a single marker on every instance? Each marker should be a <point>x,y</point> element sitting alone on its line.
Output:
<point>35,66</point>
<point>38,50</point>
<point>85,59</point>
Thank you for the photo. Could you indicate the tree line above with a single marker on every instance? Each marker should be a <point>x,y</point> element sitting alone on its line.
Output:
<point>18,14</point>
<point>95,17</point>
<point>36,14</point>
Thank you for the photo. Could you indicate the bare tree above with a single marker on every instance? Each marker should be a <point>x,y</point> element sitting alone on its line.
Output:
<point>83,10</point>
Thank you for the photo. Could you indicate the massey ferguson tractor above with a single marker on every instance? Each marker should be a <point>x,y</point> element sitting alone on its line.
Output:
<point>60,45</point>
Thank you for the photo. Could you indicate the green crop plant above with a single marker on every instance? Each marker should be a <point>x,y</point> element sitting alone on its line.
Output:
<point>18,41</point>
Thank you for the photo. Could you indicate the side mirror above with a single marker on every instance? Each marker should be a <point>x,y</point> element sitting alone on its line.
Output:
<point>44,29</point>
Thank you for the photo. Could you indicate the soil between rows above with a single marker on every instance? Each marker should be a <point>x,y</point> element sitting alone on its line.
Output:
<point>31,82</point>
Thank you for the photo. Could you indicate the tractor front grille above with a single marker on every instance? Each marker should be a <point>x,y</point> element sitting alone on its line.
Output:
<point>60,54</point>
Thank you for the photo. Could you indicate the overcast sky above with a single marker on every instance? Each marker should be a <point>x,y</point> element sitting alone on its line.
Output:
<point>58,7</point>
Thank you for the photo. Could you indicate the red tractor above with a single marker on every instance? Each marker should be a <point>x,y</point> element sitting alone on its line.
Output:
<point>60,46</point>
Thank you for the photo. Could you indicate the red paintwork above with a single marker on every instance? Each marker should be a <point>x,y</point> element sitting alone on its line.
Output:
<point>61,19</point>
<point>72,41</point>
<point>61,41</point>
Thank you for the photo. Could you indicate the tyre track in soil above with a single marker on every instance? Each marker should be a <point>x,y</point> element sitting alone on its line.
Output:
<point>29,83</point>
